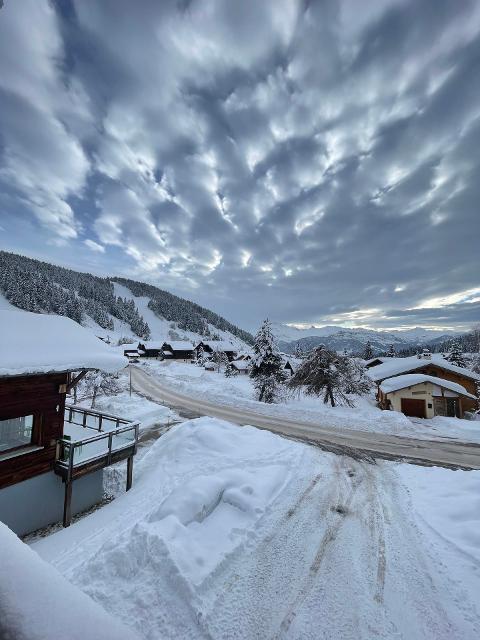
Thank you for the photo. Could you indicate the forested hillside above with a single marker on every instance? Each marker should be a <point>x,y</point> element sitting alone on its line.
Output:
<point>38,286</point>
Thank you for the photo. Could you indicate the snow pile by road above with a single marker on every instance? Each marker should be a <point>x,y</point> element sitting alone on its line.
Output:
<point>448,504</point>
<point>197,499</point>
<point>37,603</point>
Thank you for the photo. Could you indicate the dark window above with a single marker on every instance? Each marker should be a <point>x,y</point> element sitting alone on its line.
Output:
<point>16,433</point>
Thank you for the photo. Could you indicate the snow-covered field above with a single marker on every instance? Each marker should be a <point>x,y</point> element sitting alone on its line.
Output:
<point>364,416</point>
<point>234,532</point>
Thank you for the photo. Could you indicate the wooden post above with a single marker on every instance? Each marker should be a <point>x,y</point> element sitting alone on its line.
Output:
<point>129,472</point>
<point>67,504</point>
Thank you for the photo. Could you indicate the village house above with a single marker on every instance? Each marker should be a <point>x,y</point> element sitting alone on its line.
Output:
<point>211,346</point>
<point>150,349</point>
<point>241,366</point>
<point>422,396</point>
<point>46,446</point>
<point>177,350</point>
<point>433,366</point>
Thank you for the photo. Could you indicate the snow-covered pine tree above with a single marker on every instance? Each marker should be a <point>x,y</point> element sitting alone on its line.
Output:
<point>356,379</point>
<point>220,360</point>
<point>267,366</point>
<point>455,356</point>
<point>368,351</point>
<point>230,371</point>
<point>391,353</point>
<point>325,373</point>
<point>201,356</point>
<point>96,382</point>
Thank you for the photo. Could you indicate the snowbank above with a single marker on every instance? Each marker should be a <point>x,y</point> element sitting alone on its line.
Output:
<point>37,603</point>
<point>40,343</point>
<point>448,504</point>
<point>198,497</point>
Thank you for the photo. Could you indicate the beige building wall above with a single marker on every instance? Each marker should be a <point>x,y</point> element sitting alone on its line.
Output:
<point>422,391</point>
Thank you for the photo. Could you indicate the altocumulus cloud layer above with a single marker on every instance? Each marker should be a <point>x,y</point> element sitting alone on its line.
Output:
<point>316,161</point>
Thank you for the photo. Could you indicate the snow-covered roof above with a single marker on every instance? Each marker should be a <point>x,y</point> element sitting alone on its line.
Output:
<point>151,344</point>
<point>396,366</point>
<point>38,343</point>
<point>382,359</point>
<point>218,345</point>
<point>180,345</point>
<point>241,365</point>
<point>412,379</point>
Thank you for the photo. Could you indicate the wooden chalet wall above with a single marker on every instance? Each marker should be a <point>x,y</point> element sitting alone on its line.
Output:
<point>38,395</point>
<point>430,369</point>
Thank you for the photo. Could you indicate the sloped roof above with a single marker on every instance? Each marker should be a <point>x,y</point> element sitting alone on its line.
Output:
<point>33,343</point>
<point>179,345</point>
<point>218,345</point>
<point>241,365</point>
<point>412,379</point>
<point>397,366</point>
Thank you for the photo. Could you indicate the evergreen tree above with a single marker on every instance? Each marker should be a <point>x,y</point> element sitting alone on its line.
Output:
<point>267,366</point>
<point>391,353</point>
<point>455,356</point>
<point>333,376</point>
<point>368,351</point>
<point>230,371</point>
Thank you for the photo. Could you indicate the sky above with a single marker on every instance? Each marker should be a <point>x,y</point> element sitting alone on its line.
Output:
<point>315,162</point>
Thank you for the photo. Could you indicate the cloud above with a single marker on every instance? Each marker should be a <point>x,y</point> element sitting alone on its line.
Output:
<point>94,246</point>
<point>313,162</point>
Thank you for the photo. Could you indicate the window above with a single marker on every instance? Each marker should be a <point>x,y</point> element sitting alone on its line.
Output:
<point>15,433</point>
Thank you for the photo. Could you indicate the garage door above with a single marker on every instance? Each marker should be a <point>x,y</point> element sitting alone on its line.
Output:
<point>413,407</point>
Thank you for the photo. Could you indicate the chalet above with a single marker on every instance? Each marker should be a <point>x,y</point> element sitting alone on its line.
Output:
<point>211,346</point>
<point>131,354</point>
<point>241,366</point>
<point>149,349</point>
<point>423,396</point>
<point>177,350</point>
<point>47,446</point>
<point>374,362</point>
<point>433,365</point>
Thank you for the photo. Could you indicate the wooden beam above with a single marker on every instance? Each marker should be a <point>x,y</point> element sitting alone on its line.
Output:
<point>74,381</point>
<point>129,472</point>
<point>67,504</point>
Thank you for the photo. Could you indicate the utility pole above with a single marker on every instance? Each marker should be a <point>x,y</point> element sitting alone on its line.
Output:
<point>130,371</point>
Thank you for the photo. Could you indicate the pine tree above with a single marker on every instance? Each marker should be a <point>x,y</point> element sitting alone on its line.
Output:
<point>201,356</point>
<point>333,376</point>
<point>267,366</point>
<point>391,353</point>
<point>230,371</point>
<point>368,351</point>
<point>455,356</point>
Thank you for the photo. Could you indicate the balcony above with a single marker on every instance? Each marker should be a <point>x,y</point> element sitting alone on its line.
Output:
<point>93,441</point>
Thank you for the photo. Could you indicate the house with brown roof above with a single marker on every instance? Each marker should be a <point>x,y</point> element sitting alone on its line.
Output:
<point>432,366</point>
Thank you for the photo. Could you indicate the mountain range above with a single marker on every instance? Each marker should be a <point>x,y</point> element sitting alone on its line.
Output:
<point>290,339</point>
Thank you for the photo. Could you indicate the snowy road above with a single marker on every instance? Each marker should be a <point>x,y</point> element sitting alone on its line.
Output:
<point>357,443</point>
<point>234,533</point>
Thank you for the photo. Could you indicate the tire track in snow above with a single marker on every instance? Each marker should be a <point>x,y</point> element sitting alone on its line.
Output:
<point>339,514</point>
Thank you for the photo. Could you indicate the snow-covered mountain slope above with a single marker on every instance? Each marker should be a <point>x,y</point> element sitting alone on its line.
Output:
<point>162,329</point>
<point>116,308</point>
<point>340,338</point>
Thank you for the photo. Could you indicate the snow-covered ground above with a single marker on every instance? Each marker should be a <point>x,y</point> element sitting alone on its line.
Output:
<point>234,532</point>
<point>364,416</point>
